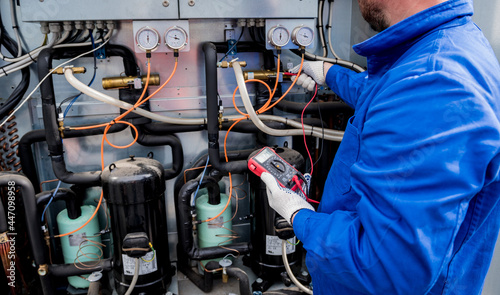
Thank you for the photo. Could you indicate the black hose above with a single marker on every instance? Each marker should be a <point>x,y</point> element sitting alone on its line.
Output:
<point>213,191</point>
<point>349,65</point>
<point>191,174</point>
<point>162,140</point>
<point>34,136</point>
<point>78,269</point>
<point>129,62</point>
<point>242,277</point>
<point>245,126</point>
<point>210,51</point>
<point>26,156</point>
<point>298,107</point>
<point>73,204</point>
<point>158,128</point>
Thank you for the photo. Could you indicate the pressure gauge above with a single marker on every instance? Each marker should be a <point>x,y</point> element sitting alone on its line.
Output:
<point>147,39</point>
<point>302,36</point>
<point>176,38</point>
<point>278,36</point>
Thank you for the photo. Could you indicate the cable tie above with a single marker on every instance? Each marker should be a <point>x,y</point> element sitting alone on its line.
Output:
<point>4,71</point>
<point>15,27</point>
<point>328,26</point>
<point>312,130</point>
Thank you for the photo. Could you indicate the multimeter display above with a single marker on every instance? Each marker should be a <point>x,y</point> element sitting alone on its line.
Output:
<point>267,160</point>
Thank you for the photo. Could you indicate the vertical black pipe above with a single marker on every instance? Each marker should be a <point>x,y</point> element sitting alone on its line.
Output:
<point>212,114</point>
<point>52,135</point>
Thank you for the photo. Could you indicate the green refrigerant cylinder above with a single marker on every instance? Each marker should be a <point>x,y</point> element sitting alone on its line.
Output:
<point>208,232</point>
<point>72,245</point>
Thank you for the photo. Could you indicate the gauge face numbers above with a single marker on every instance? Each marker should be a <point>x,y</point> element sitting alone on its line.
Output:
<point>278,36</point>
<point>302,36</point>
<point>148,39</point>
<point>176,38</point>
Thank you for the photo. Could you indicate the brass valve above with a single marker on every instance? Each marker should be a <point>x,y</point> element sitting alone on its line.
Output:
<point>227,64</point>
<point>76,70</point>
<point>127,81</point>
<point>264,75</point>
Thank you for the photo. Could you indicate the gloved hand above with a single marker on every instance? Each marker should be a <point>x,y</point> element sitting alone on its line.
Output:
<point>283,200</point>
<point>312,73</point>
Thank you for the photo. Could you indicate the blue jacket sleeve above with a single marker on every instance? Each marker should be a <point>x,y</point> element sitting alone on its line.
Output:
<point>345,83</point>
<point>414,185</point>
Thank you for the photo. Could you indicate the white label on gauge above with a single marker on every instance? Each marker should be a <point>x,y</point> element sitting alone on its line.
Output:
<point>273,245</point>
<point>144,266</point>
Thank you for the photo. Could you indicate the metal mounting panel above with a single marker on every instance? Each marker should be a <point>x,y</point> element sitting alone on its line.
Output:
<point>248,9</point>
<point>161,27</point>
<point>289,24</point>
<point>67,10</point>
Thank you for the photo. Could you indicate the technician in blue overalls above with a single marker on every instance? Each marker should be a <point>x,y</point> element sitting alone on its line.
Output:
<point>410,205</point>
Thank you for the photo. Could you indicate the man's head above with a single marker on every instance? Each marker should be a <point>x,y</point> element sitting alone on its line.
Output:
<point>375,14</point>
<point>381,14</point>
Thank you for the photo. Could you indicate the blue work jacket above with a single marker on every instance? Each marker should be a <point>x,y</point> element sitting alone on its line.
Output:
<point>410,205</point>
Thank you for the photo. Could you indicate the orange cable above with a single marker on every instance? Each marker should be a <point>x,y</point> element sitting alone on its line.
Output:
<point>275,85</point>
<point>236,90</point>
<point>289,88</point>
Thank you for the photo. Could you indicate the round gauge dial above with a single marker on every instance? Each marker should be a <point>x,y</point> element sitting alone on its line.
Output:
<point>148,39</point>
<point>278,36</point>
<point>302,36</point>
<point>176,38</point>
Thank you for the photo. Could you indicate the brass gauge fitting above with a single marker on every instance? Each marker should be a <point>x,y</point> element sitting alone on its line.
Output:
<point>228,64</point>
<point>127,81</point>
<point>264,75</point>
<point>76,70</point>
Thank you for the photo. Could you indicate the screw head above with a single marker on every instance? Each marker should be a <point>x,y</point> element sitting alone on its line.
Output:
<point>191,2</point>
<point>166,3</point>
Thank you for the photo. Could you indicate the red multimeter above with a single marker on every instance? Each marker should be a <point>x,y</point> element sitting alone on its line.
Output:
<point>267,160</point>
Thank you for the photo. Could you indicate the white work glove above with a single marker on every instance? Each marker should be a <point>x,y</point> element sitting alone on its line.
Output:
<point>312,73</point>
<point>283,200</point>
